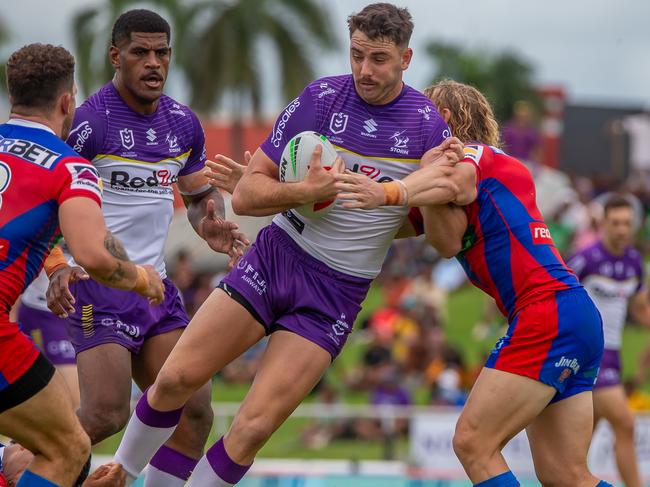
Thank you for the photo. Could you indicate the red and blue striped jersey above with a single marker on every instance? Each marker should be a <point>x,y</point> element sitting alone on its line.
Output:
<point>507,250</point>
<point>38,172</point>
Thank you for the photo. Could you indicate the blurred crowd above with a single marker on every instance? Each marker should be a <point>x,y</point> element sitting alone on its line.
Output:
<point>405,357</point>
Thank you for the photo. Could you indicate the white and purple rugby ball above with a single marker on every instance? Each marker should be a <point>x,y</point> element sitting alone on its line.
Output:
<point>295,163</point>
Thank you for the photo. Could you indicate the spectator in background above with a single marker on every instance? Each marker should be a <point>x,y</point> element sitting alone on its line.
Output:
<point>520,135</point>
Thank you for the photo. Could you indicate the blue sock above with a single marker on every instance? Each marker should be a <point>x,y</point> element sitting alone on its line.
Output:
<point>602,483</point>
<point>30,479</point>
<point>506,479</point>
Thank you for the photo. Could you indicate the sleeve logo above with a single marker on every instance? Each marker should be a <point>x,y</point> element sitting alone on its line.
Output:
<point>83,131</point>
<point>473,153</point>
<point>85,177</point>
<point>540,233</point>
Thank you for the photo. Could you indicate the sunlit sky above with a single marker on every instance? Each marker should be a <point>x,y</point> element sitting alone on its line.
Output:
<point>597,50</point>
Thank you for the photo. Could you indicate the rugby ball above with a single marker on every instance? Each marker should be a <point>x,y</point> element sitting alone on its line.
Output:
<point>294,165</point>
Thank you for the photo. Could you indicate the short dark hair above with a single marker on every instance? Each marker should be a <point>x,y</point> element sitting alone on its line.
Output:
<point>616,201</point>
<point>139,20</point>
<point>383,20</point>
<point>37,74</point>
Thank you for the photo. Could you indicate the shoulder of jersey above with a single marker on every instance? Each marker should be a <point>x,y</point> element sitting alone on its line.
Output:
<point>174,107</point>
<point>474,152</point>
<point>329,86</point>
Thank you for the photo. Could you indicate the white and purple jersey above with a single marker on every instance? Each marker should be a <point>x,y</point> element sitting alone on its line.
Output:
<point>138,157</point>
<point>385,142</point>
<point>611,281</point>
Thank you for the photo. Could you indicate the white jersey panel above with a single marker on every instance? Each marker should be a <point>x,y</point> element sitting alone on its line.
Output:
<point>363,237</point>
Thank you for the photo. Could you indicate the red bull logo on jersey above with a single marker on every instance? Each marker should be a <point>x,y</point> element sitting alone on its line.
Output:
<point>540,233</point>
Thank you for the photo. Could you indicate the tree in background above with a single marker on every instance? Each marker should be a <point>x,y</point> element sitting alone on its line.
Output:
<point>226,61</point>
<point>503,77</point>
<point>4,37</point>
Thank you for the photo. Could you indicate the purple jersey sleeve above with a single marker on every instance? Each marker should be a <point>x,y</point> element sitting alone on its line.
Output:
<point>298,116</point>
<point>88,132</point>
<point>197,158</point>
<point>440,131</point>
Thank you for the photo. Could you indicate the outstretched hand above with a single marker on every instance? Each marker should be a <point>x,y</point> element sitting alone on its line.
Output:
<point>224,173</point>
<point>221,235</point>
<point>59,298</point>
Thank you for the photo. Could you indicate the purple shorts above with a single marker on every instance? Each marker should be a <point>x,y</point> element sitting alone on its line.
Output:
<point>48,332</point>
<point>283,287</point>
<point>107,315</point>
<point>610,369</point>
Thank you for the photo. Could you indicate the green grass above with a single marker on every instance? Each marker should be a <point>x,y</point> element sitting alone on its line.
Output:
<point>464,310</point>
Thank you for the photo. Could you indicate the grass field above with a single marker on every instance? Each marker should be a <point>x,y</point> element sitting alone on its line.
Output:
<point>464,310</point>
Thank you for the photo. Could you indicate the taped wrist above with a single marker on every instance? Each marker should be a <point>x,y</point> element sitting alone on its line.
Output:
<point>142,281</point>
<point>396,193</point>
<point>55,261</point>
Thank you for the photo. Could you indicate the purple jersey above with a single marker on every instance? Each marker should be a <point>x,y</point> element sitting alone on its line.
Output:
<point>385,142</point>
<point>139,157</point>
<point>611,281</point>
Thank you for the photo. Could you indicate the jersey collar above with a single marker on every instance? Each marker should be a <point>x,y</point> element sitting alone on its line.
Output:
<point>28,123</point>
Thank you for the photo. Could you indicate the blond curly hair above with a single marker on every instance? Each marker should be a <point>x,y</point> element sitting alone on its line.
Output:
<point>472,118</point>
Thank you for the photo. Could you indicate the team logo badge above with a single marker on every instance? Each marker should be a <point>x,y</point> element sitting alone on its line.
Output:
<point>338,123</point>
<point>127,138</point>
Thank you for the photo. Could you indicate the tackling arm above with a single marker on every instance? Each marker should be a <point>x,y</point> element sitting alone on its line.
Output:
<point>100,253</point>
<point>444,227</point>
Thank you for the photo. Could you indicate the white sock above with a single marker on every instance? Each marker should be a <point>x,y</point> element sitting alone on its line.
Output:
<point>146,432</point>
<point>157,478</point>
<point>204,476</point>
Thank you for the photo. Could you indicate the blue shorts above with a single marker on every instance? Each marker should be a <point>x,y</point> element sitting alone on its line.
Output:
<point>557,340</point>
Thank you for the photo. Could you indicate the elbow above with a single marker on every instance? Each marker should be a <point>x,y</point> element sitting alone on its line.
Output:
<point>448,250</point>
<point>238,203</point>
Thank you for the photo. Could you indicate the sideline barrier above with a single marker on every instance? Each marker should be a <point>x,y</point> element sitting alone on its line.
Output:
<point>432,462</point>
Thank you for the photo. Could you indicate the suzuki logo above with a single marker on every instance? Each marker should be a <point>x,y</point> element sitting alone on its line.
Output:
<point>370,126</point>
<point>151,135</point>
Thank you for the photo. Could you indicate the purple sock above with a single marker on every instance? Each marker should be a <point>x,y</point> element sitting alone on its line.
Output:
<point>223,465</point>
<point>173,462</point>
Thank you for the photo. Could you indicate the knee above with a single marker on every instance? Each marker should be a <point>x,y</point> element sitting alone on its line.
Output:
<point>174,383</point>
<point>466,444</point>
<point>103,421</point>
<point>251,432</point>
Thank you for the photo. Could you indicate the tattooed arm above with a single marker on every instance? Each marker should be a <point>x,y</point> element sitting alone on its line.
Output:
<point>102,256</point>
